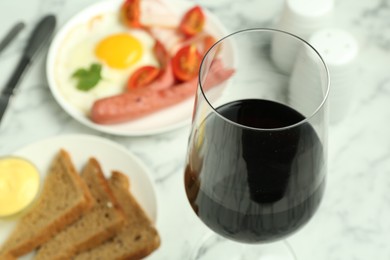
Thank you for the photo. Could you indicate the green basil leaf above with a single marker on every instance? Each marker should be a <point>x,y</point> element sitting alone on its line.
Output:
<point>88,78</point>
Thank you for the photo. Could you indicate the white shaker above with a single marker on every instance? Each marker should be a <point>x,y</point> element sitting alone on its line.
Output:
<point>301,18</point>
<point>339,49</point>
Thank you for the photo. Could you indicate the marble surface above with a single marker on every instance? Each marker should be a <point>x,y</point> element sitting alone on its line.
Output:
<point>353,220</point>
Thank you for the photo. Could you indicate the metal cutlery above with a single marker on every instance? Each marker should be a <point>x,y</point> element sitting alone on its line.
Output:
<point>11,35</point>
<point>40,35</point>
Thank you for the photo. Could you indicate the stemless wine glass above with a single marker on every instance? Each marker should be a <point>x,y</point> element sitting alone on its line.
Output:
<point>257,153</point>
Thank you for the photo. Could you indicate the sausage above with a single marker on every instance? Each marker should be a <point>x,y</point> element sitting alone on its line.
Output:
<point>136,104</point>
<point>141,102</point>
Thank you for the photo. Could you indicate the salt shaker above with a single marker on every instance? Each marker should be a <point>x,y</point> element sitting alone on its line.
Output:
<point>339,49</point>
<point>301,18</point>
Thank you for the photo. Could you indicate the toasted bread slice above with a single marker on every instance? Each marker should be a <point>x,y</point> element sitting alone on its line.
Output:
<point>137,239</point>
<point>7,257</point>
<point>64,198</point>
<point>94,227</point>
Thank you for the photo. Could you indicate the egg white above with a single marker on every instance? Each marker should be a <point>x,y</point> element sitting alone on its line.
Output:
<point>78,51</point>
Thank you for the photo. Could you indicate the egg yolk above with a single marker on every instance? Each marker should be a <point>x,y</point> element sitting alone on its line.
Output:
<point>119,51</point>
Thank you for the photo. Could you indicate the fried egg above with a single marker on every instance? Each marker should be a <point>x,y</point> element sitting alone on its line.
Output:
<point>103,40</point>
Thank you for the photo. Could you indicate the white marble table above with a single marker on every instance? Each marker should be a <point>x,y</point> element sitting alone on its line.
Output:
<point>353,221</point>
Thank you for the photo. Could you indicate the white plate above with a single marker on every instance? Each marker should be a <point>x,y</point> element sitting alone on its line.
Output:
<point>159,122</point>
<point>111,156</point>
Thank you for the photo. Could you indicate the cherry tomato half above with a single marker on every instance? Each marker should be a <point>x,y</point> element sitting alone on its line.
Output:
<point>131,14</point>
<point>192,22</point>
<point>208,42</point>
<point>186,62</point>
<point>161,54</point>
<point>142,77</point>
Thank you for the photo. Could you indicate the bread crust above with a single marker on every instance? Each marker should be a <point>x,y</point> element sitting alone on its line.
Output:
<point>7,257</point>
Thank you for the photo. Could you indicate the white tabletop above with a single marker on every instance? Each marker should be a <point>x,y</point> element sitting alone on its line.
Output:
<point>353,220</point>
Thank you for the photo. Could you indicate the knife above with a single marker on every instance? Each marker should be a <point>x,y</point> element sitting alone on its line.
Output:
<point>11,35</point>
<point>41,33</point>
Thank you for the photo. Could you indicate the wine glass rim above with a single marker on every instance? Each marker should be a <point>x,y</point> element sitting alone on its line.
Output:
<point>301,122</point>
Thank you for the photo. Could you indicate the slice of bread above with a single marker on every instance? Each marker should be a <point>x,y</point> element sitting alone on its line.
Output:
<point>137,239</point>
<point>64,198</point>
<point>7,257</point>
<point>94,227</point>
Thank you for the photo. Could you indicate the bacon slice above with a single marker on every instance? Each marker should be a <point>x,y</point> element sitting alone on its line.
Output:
<point>156,13</point>
<point>171,38</point>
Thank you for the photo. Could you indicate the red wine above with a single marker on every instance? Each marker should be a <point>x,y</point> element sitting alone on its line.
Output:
<point>255,185</point>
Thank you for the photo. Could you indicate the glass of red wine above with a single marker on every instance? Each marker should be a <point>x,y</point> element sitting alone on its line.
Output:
<point>257,153</point>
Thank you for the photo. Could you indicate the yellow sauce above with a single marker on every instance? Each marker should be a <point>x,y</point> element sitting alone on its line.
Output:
<point>19,185</point>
